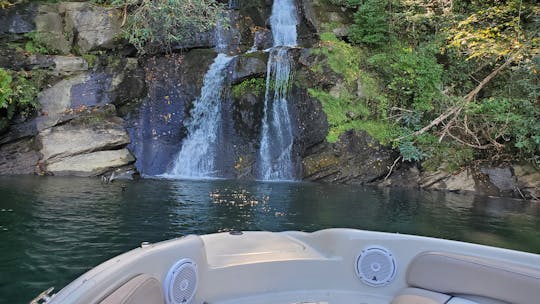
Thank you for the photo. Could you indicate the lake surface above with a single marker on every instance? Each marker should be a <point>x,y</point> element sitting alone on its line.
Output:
<point>54,229</point>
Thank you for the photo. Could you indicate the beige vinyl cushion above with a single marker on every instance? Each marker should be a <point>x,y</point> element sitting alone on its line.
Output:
<point>419,296</point>
<point>460,274</point>
<point>142,289</point>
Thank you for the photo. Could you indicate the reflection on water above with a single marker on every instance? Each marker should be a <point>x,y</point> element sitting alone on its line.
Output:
<point>54,229</point>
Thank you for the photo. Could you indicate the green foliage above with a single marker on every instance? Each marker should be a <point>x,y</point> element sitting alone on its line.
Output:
<point>343,111</point>
<point>35,44</point>
<point>371,23</point>
<point>496,31</point>
<point>342,57</point>
<point>114,3</point>
<point>256,86</point>
<point>90,58</point>
<point>5,88</point>
<point>410,152</point>
<point>346,3</point>
<point>153,25</point>
<point>417,59</point>
<point>510,119</point>
<point>381,130</point>
<point>446,155</point>
<point>413,77</point>
<point>5,4</point>
<point>17,95</point>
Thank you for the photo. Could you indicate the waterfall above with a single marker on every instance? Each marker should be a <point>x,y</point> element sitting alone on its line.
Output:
<point>275,153</point>
<point>283,22</point>
<point>197,158</point>
<point>220,36</point>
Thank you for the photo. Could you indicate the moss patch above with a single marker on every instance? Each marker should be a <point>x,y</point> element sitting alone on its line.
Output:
<point>255,86</point>
<point>343,58</point>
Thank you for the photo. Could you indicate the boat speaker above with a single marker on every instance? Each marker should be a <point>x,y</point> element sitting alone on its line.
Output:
<point>376,266</point>
<point>181,282</point>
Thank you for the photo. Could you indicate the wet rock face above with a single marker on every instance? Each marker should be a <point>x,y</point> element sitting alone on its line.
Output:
<point>155,125</point>
<point>248,66</point>
<point>248,93</point>
<point>311,126</point>
<point>308,32</point>
<point>355,159</point>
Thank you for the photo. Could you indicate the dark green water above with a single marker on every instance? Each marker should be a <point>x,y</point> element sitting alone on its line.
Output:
<point>54,229</point>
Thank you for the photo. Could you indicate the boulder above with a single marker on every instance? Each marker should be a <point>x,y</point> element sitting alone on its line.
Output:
<point>50,29</point>
<point>18,59</point>
<point>262,39</point>
<point>68,65</point>
<point>428,179</point>
<point>355,159</point>
<point>249,66</point>
<point>501,177</point>
<point>68,140</point>
<point>404,175</point>
<point>56,100</point>
<point>92,164</point>
<point>91,27</point>
<point>321,16</point>
<point>248,108</point>
<point>128,172</point>
<point>460,182</point>
<point>18,19</point>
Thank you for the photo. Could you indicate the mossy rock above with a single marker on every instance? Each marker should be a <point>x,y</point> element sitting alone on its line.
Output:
<point>249,66</point>
<point>248,107</point>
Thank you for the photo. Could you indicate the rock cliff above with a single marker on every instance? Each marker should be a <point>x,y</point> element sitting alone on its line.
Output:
<point>103,109</point>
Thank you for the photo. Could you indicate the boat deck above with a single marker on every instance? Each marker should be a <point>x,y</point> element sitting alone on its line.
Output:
<point>311,297</point>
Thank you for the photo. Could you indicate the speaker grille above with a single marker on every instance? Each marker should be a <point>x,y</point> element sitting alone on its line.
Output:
<point>181,282</point>
<point>376,266</point>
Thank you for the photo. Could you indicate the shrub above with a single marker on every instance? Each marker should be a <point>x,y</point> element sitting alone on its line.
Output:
<point>370,23</point>
<point>153,25</point>
<point>413,77</point>
<point>16,96</point>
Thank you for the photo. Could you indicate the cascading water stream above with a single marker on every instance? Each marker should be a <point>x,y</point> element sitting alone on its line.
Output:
<point>197,158</point>
<point>275,153</point>
<point>199,153</point>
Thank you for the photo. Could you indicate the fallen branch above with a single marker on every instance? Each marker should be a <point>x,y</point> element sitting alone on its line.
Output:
<point>434,122</point>
<point>456,110</point>
<point>392,168</point>
<point>124,13</point>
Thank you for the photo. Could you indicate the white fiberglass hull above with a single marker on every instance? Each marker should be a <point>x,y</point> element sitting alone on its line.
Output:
<point>321,267</point>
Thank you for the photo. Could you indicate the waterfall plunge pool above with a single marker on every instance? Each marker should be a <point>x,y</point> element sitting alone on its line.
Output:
<point>54,229</point>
